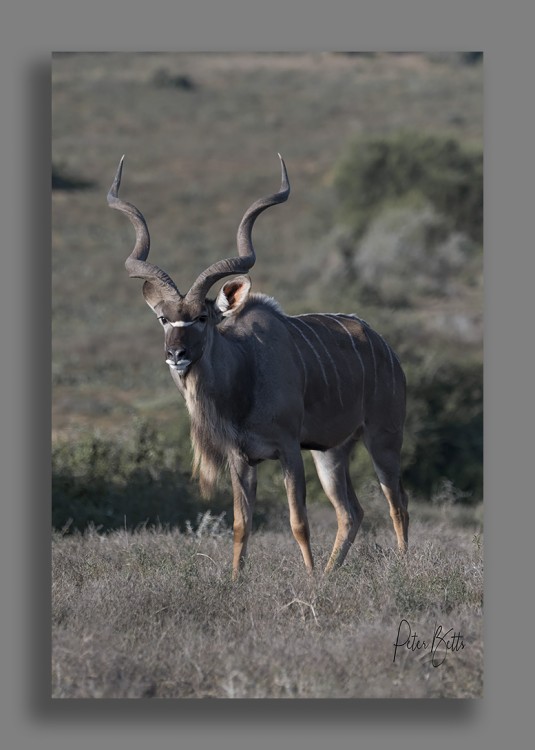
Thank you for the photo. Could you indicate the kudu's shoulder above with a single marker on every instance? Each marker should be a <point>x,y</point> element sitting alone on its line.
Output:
<point>264,303</point>
<point>258,310</point>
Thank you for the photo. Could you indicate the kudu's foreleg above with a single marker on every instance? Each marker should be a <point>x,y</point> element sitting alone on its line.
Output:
<point>294,481</point>
<point>333,473</point>
<point>243,479</point>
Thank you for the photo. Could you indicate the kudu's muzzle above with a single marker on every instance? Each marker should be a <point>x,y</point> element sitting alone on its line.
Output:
<point>177,359</point>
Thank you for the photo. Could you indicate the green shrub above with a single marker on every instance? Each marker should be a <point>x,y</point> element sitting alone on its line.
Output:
<point>379,170</point>
<point>127,482</point>
<point>445,429</point>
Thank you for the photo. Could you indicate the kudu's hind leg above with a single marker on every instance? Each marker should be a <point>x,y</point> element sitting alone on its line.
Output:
<point>385,451</point>
<point>333,472</point>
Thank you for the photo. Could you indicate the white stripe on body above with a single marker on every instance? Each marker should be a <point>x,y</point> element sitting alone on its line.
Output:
<point>311,345</point>
<point>327,352</point>
<point>389,350</point>
<point>367,329</point>
<point>391,353</point>
<point>302,361</point>
<point>334,317</point>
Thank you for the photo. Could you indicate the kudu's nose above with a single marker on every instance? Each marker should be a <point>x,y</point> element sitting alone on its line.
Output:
<point>176,355</point>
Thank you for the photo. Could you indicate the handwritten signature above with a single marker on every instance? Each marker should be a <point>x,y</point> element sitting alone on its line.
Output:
<point>442,642</point>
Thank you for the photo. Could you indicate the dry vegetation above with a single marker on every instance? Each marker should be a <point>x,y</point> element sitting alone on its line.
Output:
<point>142,605</point>
<point>155,614</point>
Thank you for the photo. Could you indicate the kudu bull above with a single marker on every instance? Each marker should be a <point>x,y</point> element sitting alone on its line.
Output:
<point>259,384</point>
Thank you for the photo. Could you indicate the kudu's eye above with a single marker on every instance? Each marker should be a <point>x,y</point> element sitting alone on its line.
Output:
<point>202,318</point>
<point>162,320</point>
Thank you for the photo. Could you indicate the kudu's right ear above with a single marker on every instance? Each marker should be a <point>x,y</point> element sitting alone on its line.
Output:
<point>152,294</point>
<point>233,296</point>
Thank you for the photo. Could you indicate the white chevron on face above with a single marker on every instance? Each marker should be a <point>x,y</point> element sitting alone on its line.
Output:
<point>181,323</point>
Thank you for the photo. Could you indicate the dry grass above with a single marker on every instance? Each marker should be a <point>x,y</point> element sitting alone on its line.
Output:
<point>155,614</point>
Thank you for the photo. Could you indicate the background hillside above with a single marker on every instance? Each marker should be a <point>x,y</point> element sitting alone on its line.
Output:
<point>384,154</point>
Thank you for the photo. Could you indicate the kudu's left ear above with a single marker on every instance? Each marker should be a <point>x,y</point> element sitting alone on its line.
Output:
<point>233,296</point>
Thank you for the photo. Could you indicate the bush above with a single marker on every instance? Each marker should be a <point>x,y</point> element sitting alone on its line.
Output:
<point>379,170</point>
<point>129,482</point>
<point>163,78</point>
<point>445,429</point>
<point>62,180</point>
<point>409,252</point>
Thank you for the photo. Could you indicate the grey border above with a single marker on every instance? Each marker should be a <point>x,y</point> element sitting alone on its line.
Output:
<point>27,36</point>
